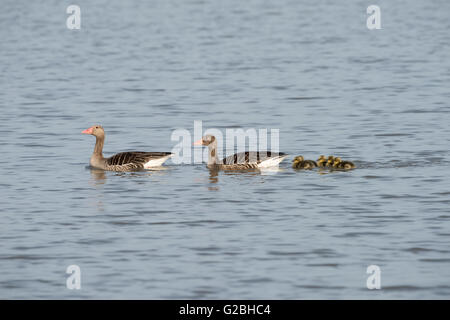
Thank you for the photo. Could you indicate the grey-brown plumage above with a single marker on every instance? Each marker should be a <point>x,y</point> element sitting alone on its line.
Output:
<point>247,160</point>
<point>124,161</point>
<point>239,161</point>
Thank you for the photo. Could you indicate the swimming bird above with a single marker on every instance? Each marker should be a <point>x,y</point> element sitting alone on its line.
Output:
<point>241,160</point>
<point>124,161</point>
<point>300,163</point>
<point>346,165</point>
<point>322,161</point>
<point>330,161</point>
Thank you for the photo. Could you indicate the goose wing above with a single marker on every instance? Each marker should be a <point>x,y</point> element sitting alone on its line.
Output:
<point>134,159</point>
<point>249,157</point>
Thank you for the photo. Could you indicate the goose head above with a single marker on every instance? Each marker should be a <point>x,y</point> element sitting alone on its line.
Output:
<point>205,141</point>
<point>96,131</point>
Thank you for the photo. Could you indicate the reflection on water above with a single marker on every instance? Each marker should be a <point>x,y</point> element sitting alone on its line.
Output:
<point>213,179</point>
<point>213,175</point>
<point>98,177</point>
<point>97,181</point>
<point>271,170</point>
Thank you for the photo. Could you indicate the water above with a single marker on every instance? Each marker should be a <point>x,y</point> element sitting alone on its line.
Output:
<point>143,69</point>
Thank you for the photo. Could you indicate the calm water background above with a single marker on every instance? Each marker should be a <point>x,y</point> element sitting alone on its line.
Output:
<point>145,68</point>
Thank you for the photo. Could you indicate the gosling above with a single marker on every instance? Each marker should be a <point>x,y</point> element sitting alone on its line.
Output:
<point>330,161</point>
<point>346,165</point>
<point>300,163</point>
<point>322,161</point>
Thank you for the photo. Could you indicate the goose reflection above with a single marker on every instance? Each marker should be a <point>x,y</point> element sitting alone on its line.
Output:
<point>97,180</point>
<point>98,177</point>
<point>214,173</point>
<point>213,179</point>
<point>213,176</point>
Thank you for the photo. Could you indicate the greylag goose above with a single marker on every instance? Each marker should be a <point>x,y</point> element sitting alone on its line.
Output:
<point>124,161</point>
<point>300,163</point>
<point>241,160</point>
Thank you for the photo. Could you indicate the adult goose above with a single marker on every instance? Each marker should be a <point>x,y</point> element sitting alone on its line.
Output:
<point>241,160</point>
<point>124,161</point>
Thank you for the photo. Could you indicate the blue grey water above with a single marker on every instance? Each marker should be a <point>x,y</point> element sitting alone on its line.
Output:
<point>142,69</point>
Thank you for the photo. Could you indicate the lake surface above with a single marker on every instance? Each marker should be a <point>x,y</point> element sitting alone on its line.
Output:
<point>144,69</point>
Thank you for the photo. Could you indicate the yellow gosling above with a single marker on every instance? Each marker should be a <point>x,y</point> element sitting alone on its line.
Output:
<point>322,161</point>
<point>330,161</point>
<point>346,165</point>
<point>300,163</point>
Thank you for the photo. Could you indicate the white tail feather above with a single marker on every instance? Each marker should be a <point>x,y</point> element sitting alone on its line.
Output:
<point>156,162</point>
<point>271,162</point>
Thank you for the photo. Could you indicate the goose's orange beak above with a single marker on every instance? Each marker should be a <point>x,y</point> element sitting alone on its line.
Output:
<point>87,131</point>
<point>198,142</point>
